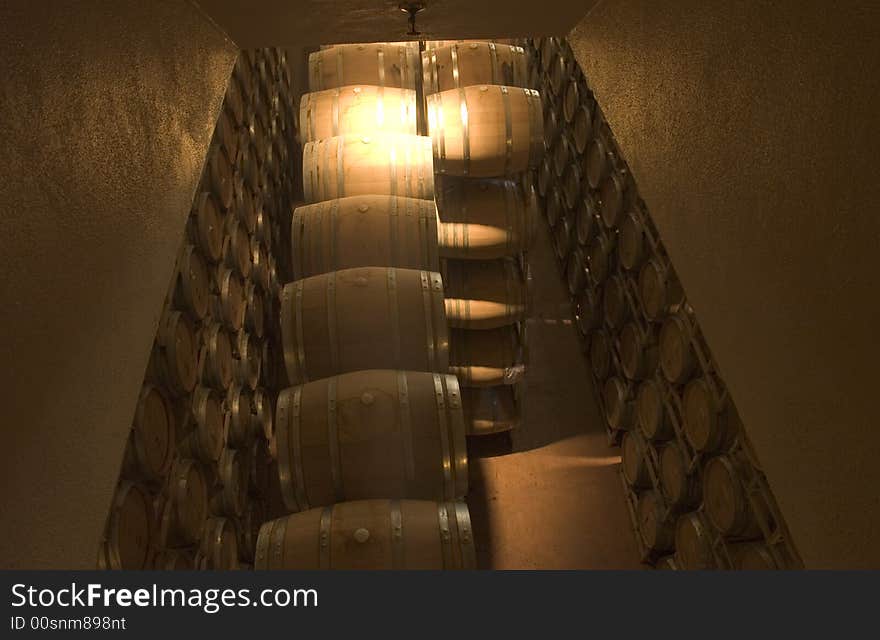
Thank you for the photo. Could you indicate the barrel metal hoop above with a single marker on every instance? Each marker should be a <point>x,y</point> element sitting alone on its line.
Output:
<point>333,441</point>
<point>339,78</point>
<point>332,336</point>
<point>334,110</point>
<point>311,116</point>
<point>397,553</point>
<point>324,532</point>
<point>279,532</point>
<point>394,313</point>
<point>457,436</point>
<point>448,489</point>
<point>445,536</point>
<point>261,554</point>
<point>456,77</point>
<point>300,341</point>
<point>381,62</point>
<point>429,328</point>
<point>331,241</point>
<point>340,175</point>
<point>508,130</point>
<point>406,426</point>
<point>465,536</point>
<point>493,61</point>
<point>407,170</point>
<point>393,222</point>
<point>296,450</point>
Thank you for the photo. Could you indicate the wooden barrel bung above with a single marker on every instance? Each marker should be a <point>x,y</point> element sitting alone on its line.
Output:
<point>229,303</point>
<point>562,237</point>
<point>485,130</point>
<point>364,318</point>
<point>571,181</point>
<point>359,110</point>
<point>545,176</point>
<point>233,474</point>
<point>484,294</point>
<point>554,207</point>
<point>486,358</point>
<point>150,448</point>
<point>370,534</point>
<point>693,543</point>
<point>175,354</point>
<point>332,431</point>
<point>612,193</point>
<point>634,460</point>
<point>586,219</point>
<point>380,65</point>
<point>383,164</point>
<point>582,130</point>
<point>710,425</point>
<point>588,311</point>
<point>186,507</point>
<point>205,226</point>
<point>218,547</point>
<point>464,64</point>
<point>651,411</point>
<point>631,245</point>
<point>255,310</point>
<point>484,219</point>
<point>638,352</point>
<point>619,405</point>
<point>600,258</point>
<point>681,486</point>
<point>489,410</point>
<point>656,528</point>
<point>240,432</point>
<point>364,231</point>
<point>725,499</point>
<point>220,177</point>
<point>236,249</point>
<point>217,358</point>
<point>615,303</point>
<point>246,360</point>
<point>659,290</point>
<point>576,270</point>
<point>600,354</point>
<point>192,284</point>
<point>677,358</point>
<point>131,529</point>
<point>204,435</point>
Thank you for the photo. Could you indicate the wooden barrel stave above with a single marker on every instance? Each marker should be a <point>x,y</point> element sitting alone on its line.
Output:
<point>358,110</point>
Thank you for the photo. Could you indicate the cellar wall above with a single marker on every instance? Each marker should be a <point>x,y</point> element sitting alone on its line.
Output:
<point>750,129</point>
<point>107,114</point>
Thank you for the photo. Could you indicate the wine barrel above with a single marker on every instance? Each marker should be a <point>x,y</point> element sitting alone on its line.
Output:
<point>386,164</point>
<point>656,528</point>
<point>484,219</point>
<point>255,310</point>
<point>218,547</point>
<point>614,303</point>
<point>659,290</point>
<point>561,71</point>
<point>364,231</point>
<point>549,48</point>
<point>598,162</point>
<point>582,129</point>
<point>709,425</point>
<point>246,361</point>
<point>364,318</point>
<point>185,509</point>
<point>356,110</point>
<point>484,294</point>
<point>588,313</point>
<point>220,177</point>
<point>217,357</point>
<point>263,418</point>
<point>634,460</point>
<point>332,432</point>
<point>600,258</point>
<point>233,473</point>
<point>205,226</point>
<point>489,410</point>
<point>229,303</point>
<point>204,434</point>
<point>554,207</point>
<point>247,207</point>
<point>638,352</point>
<point>619,405</point>
<point>240,432</point>
<point>370,534</point>
<point>259,264</point>
<point>612,194</point>
<point>236,251</point>
<point>563,154</point>
<point>192,284</point>
<point>631,245</point>
<point>380,65</point>
<point>576,92</point>
<point>571,181</point>
<point>681,487</point>
<point>150,447</point>
<point>576,270</point>
<point>600,354</point>
<point>725,501</point>
<point>486,130</point>
<point>131,530</point>
<point>439,44</point>
<point>693,543</point>
<point>463,64</point>
<point>651,410</point>
<point>677,357</point>
<point>486,358</point>
<point>174,360</point>
<point>562,238</point>
<point>586,219</point>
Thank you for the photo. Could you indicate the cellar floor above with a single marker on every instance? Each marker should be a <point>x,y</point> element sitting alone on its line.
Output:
<point>548,496</point>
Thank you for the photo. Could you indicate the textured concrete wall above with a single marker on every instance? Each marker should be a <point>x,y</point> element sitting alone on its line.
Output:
<point>752,129</point>
<point>106,113</point>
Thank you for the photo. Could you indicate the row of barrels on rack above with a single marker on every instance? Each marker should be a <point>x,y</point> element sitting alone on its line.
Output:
<point>195,476</point>
<point>695,491</point>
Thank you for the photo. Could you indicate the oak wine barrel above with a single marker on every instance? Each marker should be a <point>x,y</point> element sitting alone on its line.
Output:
<point>233,474</point>
<point>150,447</point>
<point>681,486</point>
<point>240,430</point>
<point>364,318</point>
<point>576,92</point>
<point>638,352</point>
<point>586,219</point>
<point>677,357</point>
<point>489,410</point>
<point>600,354</point>
<point>651,410</point>
<point>220,177</point>
<point>205,226</point>
<point>582,130</point>
<point>753,556</point>
<point>693,543</point>
<point>370,534</point>
<point>484,294</point>
<point>174,560</point>
<point>229,303</point>
<point>247,360</point>
<point>464,64</point>
<point>615,303</point>
<point>562,237</point>
<point>659,289</point>
<point>186,507</point>
<point>358,110</point>
<point>131,529</point>
<point>174,360</point>
<point>571,185</point>
<point>634,460</point>
<point>613,194</point>
<point>545,176</point>
<point>353,165</point>
<point>486,130</point>
<point>600,257</point>
<point>380,65</point>
<point>618,403</point>
<point>192,284</point>
<point>218,546</point>
<point>656,528</point>
<point>588,311</point>
<point>255,310</point>
<point>331,433</point>
<point>709,425</point>
<point>725,500</point>
<point>576,270</point>
<point>364,231</point>
<point>217,357</point>
<point>631,245</point>
<point>263,414</point>
<point>236,250</point>
<point>204,433</point>
<point>554,206</point>
<point>486,358</point>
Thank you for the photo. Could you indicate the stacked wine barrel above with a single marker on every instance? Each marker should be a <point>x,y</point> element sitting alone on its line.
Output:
<point>194,478</point>
<point>695,490</point>
<point>486,127</point>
